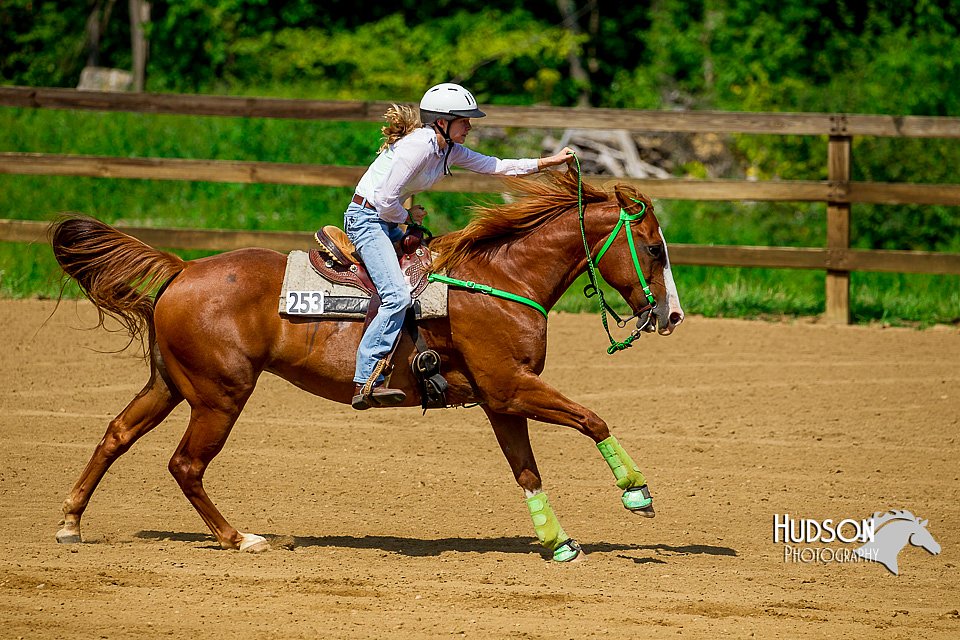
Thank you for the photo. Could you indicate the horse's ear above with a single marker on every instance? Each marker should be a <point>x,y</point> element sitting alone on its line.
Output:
<point>631,200</point>
<point>924,523</point>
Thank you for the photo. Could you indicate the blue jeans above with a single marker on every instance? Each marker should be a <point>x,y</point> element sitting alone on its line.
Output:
<point>374,239</point>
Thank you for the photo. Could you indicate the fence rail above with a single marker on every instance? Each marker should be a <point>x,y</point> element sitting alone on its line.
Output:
<point>326,175</point>
<point>838,191</point>
<point>718,256</point>
<point>497,116</point>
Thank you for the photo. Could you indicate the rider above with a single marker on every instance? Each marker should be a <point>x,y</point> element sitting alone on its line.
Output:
<point>417,152</point>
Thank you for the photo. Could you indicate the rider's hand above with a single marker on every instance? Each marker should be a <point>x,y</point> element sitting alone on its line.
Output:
<point>417,213</point>
<point>565,155</point>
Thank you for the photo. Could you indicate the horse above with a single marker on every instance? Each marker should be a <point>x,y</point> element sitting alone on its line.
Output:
<point>892,531</point>
<point>210,327</point>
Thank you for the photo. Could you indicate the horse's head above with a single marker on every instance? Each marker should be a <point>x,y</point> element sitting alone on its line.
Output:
<point>894,529</point>
<point>636,244</point>
<point>920,537</point>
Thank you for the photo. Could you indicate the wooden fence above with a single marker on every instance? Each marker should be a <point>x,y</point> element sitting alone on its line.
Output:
<point>838,191</point>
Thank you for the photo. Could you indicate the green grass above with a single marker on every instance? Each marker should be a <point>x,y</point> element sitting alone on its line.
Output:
<point>27,270</point>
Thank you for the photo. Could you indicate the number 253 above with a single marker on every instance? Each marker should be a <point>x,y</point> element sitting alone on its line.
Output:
<point>305,302</point>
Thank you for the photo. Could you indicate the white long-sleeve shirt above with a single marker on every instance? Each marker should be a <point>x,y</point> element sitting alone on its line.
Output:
<point>415,162</point>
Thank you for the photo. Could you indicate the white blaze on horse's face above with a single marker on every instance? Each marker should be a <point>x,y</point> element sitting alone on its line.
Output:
<point>669,312</point>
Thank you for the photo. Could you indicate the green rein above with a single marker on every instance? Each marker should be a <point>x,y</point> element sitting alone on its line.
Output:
<point>592,289</point>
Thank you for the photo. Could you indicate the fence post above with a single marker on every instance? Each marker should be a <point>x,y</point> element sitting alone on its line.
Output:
<point>838,223</point>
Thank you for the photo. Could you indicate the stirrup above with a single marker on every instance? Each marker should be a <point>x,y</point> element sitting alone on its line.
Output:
<point>367,394</point>
<point>360,402</point>
<point>387,398</point>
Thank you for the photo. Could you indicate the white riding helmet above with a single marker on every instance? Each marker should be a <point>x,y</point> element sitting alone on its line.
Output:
<point>448,101</point>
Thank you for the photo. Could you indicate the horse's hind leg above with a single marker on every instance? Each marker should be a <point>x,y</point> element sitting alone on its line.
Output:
<point>204,439</point>
<point>514,438</point>
<point>145,411</point>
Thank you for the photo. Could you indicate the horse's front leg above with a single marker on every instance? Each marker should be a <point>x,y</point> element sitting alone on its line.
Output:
<point>530,397</point>
<point>514,439</point>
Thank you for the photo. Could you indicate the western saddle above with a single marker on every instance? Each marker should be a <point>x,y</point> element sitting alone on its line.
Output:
<point>339,261</point>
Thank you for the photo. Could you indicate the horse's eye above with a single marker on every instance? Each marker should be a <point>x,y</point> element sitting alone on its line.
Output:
<point>655,250</point>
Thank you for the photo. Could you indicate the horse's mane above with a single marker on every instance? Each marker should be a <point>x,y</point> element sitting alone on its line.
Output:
<point>492,225</point>
<point>880,519</point>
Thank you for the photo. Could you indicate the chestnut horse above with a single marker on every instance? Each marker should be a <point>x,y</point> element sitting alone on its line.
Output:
<point>213,328</point>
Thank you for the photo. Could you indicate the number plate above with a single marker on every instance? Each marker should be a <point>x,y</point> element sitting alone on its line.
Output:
<point>305,303</point>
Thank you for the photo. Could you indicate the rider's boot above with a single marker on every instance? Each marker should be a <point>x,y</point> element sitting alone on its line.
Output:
<point>378,396</point>
<point>372,394</point>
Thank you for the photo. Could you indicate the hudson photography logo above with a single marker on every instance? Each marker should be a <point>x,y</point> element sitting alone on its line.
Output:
<point>879,538</point>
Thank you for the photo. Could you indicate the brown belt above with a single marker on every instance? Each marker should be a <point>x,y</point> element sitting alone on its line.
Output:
<point>363,202</point>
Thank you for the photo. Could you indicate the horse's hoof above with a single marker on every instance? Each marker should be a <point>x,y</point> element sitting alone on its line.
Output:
<point>67,537</point>
<point>581,556</point>
<point>638,500</point>
<point>569,551</point>
<point>252,543</point>
<point>69,533</point>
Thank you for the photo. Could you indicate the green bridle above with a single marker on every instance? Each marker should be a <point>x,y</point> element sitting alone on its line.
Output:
<point>644,315</point>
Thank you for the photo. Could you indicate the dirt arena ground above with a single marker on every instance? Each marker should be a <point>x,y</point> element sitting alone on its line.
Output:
<point>390,524</point>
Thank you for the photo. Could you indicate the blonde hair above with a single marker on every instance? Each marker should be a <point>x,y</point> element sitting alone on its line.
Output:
<point>401,120</point>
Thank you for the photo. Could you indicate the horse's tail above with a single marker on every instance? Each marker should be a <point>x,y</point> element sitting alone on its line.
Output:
<point>117,272</point>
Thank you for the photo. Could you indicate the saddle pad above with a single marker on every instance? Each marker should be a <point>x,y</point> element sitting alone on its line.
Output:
<point>340,301</point>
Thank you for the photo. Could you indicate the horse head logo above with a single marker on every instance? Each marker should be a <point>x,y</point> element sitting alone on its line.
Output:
<point>892,531</point>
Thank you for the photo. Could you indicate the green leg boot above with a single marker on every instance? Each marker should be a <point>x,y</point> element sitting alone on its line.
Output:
<point>549,532</point>
<point>636,495</point>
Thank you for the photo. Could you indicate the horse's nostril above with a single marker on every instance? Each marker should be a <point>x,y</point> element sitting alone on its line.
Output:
<point>676,317</point>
